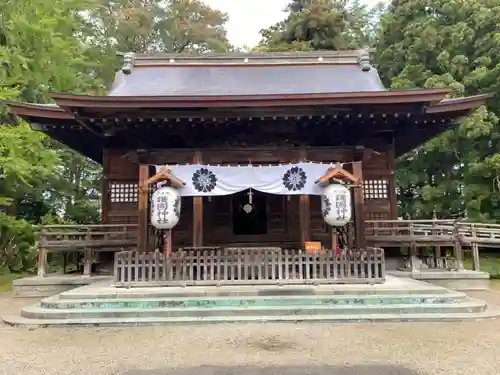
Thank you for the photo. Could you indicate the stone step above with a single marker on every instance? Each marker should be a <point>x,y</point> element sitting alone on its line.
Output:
<point>108,292</point>
<point>467,306</point>
<point>490,312</point>
<point>197,302</point>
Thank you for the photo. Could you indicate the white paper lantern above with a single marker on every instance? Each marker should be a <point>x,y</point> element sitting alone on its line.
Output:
<point>336,205</point>
<point>165,208</point>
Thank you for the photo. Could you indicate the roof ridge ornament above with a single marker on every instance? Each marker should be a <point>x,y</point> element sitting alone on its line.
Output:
<point>128,62</point>
<point>364,60</point>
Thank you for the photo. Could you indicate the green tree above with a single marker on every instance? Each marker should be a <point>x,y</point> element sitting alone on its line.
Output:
<point>447,43</point>
<point>159,26</point>
<point>42,49</point>
<point>322,25</point>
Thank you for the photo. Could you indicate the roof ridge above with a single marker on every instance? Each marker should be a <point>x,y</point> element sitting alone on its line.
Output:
<point>215,55</point>
<point>348,57</point>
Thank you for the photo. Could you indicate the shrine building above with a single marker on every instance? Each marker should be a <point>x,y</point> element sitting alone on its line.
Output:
<point>248,138</point>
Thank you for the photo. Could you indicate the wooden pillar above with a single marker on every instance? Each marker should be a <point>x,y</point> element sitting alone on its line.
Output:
<point>167,242</point>
<point>475,257</point>
<point>304,211</point>
<point>143,214</point>
<point>197,211</point>
<point>87,255</point>
<point>393,199</point>
<point>359,206</point>
<point>42,253</point>
<point>335,242</point>
<point>457,248</point>
<point>105,188</point>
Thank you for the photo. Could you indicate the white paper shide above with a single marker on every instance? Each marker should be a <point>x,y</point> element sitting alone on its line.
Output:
<point>336,205</point>
<point>165,208</point>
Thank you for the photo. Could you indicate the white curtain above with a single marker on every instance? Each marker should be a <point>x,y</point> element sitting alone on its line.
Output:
<point>212,180</point>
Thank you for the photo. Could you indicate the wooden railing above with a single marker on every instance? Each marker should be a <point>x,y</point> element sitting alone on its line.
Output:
<point>436,234</point>
<point>83,238</point>
<point>432,233</point>
<point>380,233</point>
<point>236,266</point>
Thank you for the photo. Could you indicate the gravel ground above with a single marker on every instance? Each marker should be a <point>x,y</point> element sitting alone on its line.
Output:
<point>296,349</point>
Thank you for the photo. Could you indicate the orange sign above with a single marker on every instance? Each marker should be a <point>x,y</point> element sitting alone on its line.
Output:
<point>313,246</point>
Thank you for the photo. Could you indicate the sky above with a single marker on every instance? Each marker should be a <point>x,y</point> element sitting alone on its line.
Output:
<point>248,17</point>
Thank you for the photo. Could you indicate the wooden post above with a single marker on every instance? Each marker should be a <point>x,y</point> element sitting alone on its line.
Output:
<point>143,218</point>
<point>392,185</point>
<point>475,249</point>
<point>105,188</point>
<point>457,248</point>
<point>167,242</point>
<point>334,238</point>
<point>42,253</point>
<point>304,211</point>
<point>197,211</point>
<point>475,257</point>
<point>87,255</point>
<point>359,206</point>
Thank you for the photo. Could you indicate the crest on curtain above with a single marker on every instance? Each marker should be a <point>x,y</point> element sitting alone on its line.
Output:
<point>213,180</point>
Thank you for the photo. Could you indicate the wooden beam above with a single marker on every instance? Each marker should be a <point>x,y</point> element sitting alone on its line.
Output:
<point>304,210</point>
<point>197,211</point>
<point>264,154</point>
<point>359,206</point>
<point>143,218</point>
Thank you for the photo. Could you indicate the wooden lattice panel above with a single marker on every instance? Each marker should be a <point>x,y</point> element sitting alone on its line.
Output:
<point>376,189</point>
<point>378,216</point>
<point>123,192</point>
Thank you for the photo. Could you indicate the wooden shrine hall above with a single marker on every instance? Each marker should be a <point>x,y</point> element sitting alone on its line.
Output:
<point>171,112</point>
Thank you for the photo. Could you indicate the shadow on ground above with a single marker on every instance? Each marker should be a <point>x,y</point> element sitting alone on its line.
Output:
<point>280,370</point>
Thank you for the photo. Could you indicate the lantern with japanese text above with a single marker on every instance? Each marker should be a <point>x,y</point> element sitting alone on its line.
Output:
<point>165,208</point>
<point>336,205</point>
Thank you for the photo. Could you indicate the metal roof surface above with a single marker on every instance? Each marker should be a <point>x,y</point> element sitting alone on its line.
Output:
<point>213,80</point>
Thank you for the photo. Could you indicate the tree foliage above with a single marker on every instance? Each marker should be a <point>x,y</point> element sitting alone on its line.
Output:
<point>322,25</point>
<point>71,46</point>
<point>159,26</point>
<point>456,44</point>
<point>422,44</point>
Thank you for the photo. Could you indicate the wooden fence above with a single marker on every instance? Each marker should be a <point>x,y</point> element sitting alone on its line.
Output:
<point>236,266</point>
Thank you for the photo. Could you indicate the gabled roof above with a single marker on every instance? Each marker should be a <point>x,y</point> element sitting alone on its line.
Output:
<point>247,74</point>
<point>224,86</point>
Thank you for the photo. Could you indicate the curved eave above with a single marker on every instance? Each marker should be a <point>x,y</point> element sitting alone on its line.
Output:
<point>451,113</point>
<point>39,110</point>
<point>459,104</point>
<point>60,126</point>
<point>234,101</point>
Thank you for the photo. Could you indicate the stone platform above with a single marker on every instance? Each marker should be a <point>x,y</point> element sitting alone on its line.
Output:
<point>36,286</point>
<point>463,280</point>
<point>399,299</point>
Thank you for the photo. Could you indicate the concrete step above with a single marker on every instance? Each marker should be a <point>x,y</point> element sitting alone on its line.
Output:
<point>396,287</point>
<point>466,306</point>
<point>197,302</point>
<point>490,312</point>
